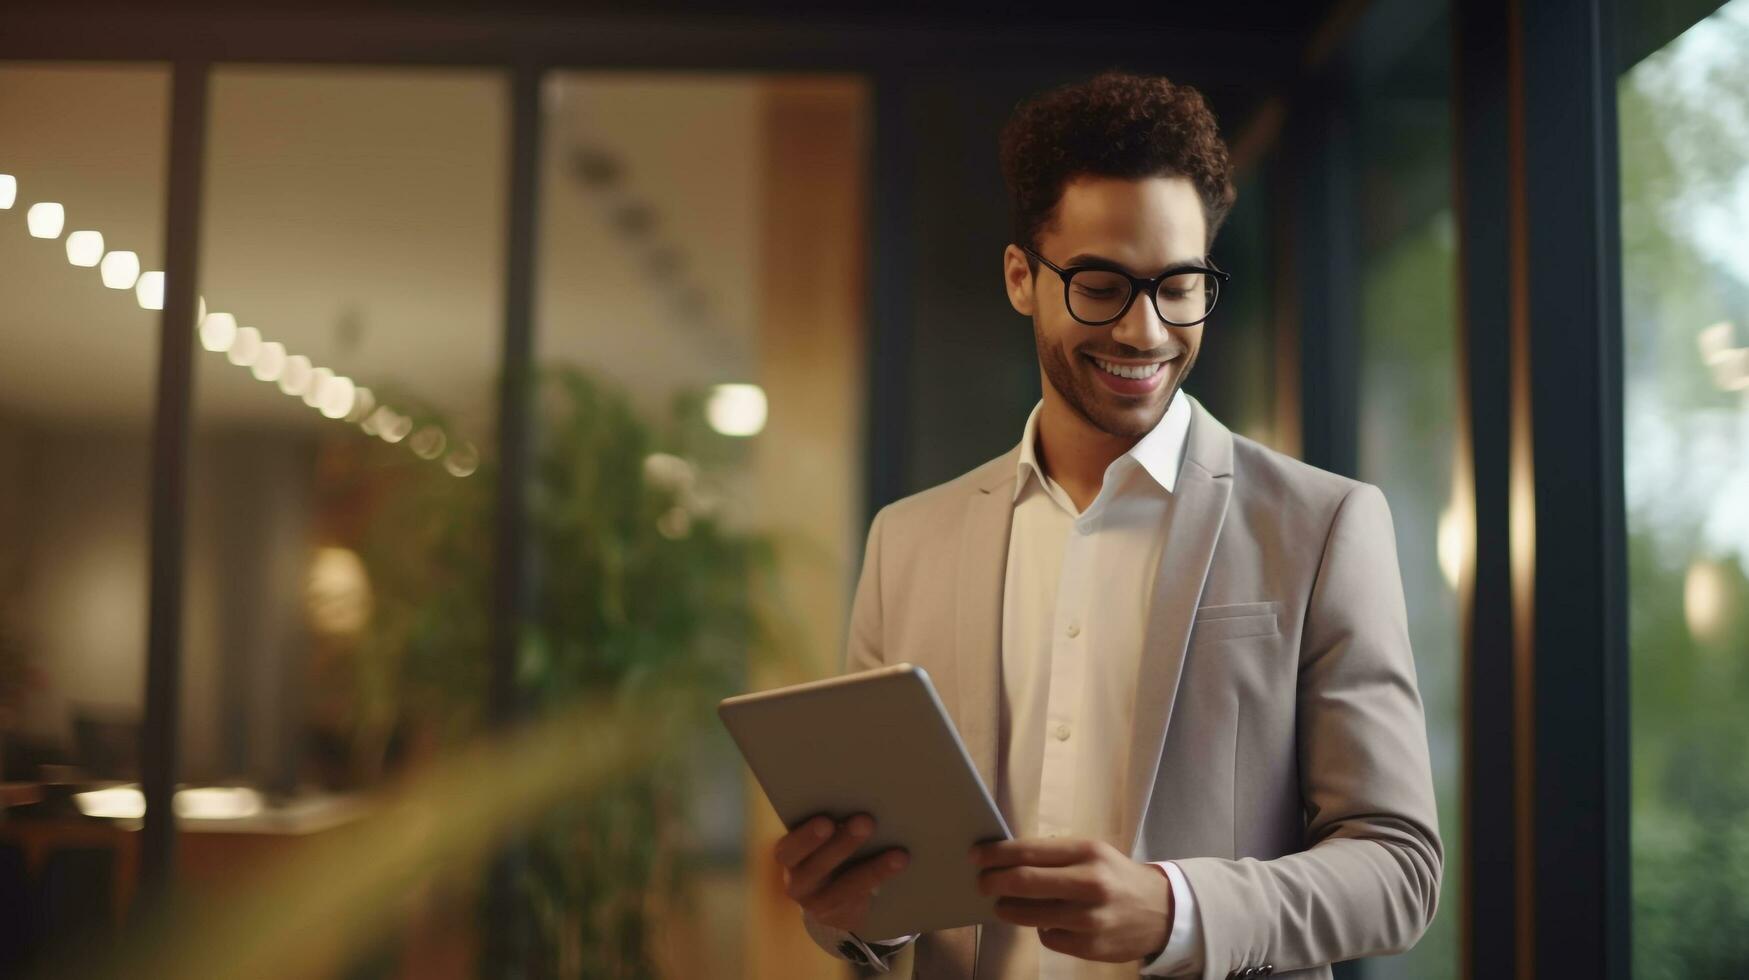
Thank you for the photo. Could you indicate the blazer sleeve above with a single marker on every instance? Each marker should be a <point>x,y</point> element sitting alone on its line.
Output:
<point>1368,882</point>
<point>863,650</point>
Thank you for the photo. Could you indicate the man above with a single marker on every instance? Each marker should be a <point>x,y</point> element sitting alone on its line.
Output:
<point>1181,659</point>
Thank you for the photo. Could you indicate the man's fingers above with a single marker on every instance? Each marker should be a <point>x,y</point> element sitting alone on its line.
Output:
<point>1046,914</point>
<point>1038,852</point>
<point>814,870</point>
<point>1071,884</point>
<point>860,880</point>
<point>1077,944</point>
<point>794,847</point>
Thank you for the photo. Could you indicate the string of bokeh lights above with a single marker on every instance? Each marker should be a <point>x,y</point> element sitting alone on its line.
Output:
<point>334,395</point>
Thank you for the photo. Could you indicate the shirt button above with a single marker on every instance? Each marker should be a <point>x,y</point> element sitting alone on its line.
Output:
<point>1074,629</point>
<point>1061,732</point>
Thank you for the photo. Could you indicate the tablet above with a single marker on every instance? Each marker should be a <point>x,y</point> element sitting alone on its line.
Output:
<point>878,742</point>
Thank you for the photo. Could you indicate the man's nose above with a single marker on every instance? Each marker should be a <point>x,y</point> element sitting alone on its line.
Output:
<point>1140,326</point>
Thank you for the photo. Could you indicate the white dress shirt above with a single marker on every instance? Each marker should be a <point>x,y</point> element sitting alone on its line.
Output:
<point>1074,610</point>
<point>1074,607</point>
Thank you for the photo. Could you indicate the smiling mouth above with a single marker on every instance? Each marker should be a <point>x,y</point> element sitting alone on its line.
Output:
<point>1132,372</point>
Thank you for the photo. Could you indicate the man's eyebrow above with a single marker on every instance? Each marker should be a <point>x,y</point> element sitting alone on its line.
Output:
<point>1101,262</point>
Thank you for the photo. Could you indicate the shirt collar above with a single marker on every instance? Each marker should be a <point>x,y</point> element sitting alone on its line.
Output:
<point>1160,452</point>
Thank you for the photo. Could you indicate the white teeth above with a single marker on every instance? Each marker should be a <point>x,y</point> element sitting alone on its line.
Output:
<point>1134,372</point>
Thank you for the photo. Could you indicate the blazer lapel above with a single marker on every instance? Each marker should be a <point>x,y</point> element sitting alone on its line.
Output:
<point>983,560</point>
<point>1198,508</point>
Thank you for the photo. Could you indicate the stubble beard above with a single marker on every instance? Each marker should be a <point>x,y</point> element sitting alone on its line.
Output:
<point>1074,386</point>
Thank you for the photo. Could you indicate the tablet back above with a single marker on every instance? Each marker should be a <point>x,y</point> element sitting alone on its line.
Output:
<point>880,743</point>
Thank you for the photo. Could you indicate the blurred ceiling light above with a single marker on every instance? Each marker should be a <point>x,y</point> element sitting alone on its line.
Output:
<point>270,363</point>
<point>246,348</point>
<point>45,220</point>
<point>295,379</point>
<point>149,290</point>
<point>736,409</point>
<point>112,803</point>
<point>428,442</point>
<point>319,379</point>
<point>338,397</point>
<point>85,248</point>
<point>363,403</point>
<point>463,461</point>
<point>218,332</point>
<point>8,191</point>
<point>1706,600</point>
<point>217,803</point>
<point>120,270</point>
<point>395,427</point>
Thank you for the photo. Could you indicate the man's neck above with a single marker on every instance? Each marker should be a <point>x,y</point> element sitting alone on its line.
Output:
<point>1073,452</point>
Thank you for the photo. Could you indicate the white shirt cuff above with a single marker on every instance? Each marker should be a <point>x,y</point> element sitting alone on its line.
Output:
<point>1183,953</point>
<point>833,940</point>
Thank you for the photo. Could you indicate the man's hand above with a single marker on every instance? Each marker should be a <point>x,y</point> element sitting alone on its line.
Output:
<point>1086,898</point>
<point>813,855</point>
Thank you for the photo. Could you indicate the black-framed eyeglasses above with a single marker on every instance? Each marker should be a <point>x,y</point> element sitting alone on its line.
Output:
<point>1096,295</point>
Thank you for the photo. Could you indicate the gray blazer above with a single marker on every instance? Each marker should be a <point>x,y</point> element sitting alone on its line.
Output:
<point>1279,753</point>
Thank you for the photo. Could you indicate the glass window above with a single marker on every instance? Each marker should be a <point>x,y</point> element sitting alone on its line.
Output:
<point>1684,126</point>
<point>81,211</point>
<point>1409,407</point>
<point>696,509</point>
<point>1235,373</point>
<point>340,498</point>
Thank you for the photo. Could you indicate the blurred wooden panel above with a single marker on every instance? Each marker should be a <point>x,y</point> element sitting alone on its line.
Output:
<point>809,458</point>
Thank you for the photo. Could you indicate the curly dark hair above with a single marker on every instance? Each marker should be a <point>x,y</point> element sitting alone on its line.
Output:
<point>1116,124</point>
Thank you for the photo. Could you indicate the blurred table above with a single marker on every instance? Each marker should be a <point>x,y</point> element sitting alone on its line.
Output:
<point>209,851</point>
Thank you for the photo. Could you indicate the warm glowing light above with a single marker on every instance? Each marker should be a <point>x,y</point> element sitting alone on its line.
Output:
<point>270,363</point>
<point>463,460</point>
<point>363,403</point>
<point>217,803</point>
<point>395,427</point>
<point>112,803</point>
<point>45,220</point>
<point>8,191</point>
<point>668,472</point>
<point>737,409</point>
<point>428,442</point>
<point>319,379</point>
<point>1706,600</point>
<point>149,290</point>
<point>337,592</point>
<point>218,332</point>
<point>1715,340</point>
<point>246,348</point>
<point>85,248</point>
<point>338,397</point>
<point>295,379</point>
<point>120,270</point>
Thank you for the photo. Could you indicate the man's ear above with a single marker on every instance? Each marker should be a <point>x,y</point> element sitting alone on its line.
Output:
<point>1018,278</point>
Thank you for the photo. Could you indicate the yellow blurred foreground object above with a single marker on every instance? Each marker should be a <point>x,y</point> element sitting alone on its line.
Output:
<point>309,917</point>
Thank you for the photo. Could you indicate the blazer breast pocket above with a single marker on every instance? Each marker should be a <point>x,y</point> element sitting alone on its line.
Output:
<point>1233,620</point>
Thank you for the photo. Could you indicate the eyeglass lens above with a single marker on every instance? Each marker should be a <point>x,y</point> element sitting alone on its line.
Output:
<point>1099,295</point>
